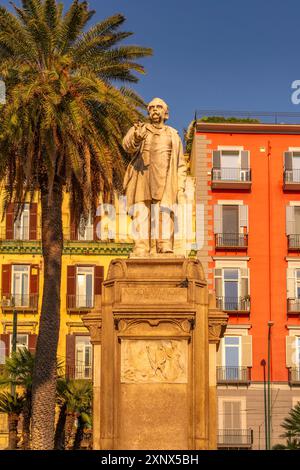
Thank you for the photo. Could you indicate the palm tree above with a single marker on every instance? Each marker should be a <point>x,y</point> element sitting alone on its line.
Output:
<point>61,130</point>
<point>12,405</point>
<point>291,424</point>
<point>18,370</point>
<point>75,400</point>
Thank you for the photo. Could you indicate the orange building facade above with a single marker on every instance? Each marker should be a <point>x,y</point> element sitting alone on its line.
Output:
<point>248,185</point>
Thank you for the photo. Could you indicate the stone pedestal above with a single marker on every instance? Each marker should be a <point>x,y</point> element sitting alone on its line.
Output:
<point>157,384</point>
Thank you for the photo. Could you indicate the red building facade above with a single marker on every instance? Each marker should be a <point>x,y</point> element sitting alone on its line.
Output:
<point>248,180</point>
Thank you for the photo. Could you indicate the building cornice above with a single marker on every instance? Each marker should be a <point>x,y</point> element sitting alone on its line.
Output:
<point>247,128</point>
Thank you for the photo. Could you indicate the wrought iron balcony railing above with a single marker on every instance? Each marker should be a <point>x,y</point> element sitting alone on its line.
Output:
<point>293,305</point>
<point>233,304</point>
<point>231,174</point>
<point>292,176</point>
<point>80,301</point>
<point>235,438</point>
<point>19,301</point>
<point>294,375</point>
<point>233,241</point>
<point>294,241</point>
<point>81,372</point>
<point>229,374</point>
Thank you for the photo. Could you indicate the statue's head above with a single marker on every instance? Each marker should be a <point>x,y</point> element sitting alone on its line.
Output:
<point>158,110</point>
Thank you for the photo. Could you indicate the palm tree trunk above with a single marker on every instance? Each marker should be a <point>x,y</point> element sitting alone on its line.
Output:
<point>45,367</point>
<point>70,431</point>
<point>26,422</point>
<point>59,438</point>
<point>79,434</point>
<point>13,420</point>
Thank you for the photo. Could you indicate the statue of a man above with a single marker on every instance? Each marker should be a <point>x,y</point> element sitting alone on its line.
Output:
<point>155,179</point>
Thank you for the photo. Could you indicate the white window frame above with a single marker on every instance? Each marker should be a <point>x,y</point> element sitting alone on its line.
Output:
<point>85,346</point>
<point>90,225</point>
<point>24,346</point>
<point>221,416</point>
<point>296,282</point>
<point>92,268</point>
<point>238,281</point>
<point>20,221</point>
<point>297,340</point>
<point>15,269</point>
<point>239,346</point>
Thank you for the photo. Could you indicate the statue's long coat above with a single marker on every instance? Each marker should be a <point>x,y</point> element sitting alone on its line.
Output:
<point>135,181</point>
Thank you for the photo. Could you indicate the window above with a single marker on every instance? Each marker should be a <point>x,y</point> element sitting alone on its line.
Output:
<point>22,342</point>
<point>231,225</point>
<point>292,166</point>
<point>21,225</point>
<point>231,165</point>
<point>83,357</point>
<point>88,233</point>
<point>232,357</point>
<point>232,289</point>
<point>231,433</point>
<point>298,350</point>
<point>20,285</point>
<point>84,286</point>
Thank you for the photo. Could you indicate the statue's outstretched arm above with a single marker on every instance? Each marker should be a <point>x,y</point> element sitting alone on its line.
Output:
<point>129,143</point>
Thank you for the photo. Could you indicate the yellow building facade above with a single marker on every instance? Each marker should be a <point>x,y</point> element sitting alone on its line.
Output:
<point>85,263</point>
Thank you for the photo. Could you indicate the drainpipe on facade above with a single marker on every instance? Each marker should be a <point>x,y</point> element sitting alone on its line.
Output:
<point>270,322</point>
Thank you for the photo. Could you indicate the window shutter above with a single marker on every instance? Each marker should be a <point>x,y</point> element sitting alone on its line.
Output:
<point>71,285</point>
<point>34,285</point>
<point>291,360</point>
<point>32,343</point>
<point>243,216</point>
<point>4,347</point>
<point>218,218</point>
<point>232,414</point>
<point>244,159</point>
<point>245,287</point>
<point>246,350</point>
<point>290,220</point>
<point>73,228</point>
<point>10,215</point>
<point>288,160</point>
<point>290,283</point>
<point>216,159</point>
<point>98,280</point>
<point>97,219</point>
<point>70,356</point>
<point>236,415</point>
<point>218,282</point>
<point>33,221</point>
<point>6,280</point>
<point>34,279</point>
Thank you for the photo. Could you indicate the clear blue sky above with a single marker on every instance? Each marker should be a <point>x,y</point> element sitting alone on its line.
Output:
<point>214,54</point>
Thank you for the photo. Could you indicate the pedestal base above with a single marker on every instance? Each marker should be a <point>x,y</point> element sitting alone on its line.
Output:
<point>155,379</point>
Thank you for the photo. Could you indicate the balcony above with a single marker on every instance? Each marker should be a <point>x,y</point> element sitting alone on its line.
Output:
<point>231,178</point>
<point>293,306</point>
<point>291,180</point>
<point>235,438</point>
<point>83,302</point>
<point>294,242</point>
<point>79,372</point>
<point>234,304</point>
<point>294,376</point>
<point>233,375</point>
<point>20,302</point>
<point>231,241</point>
